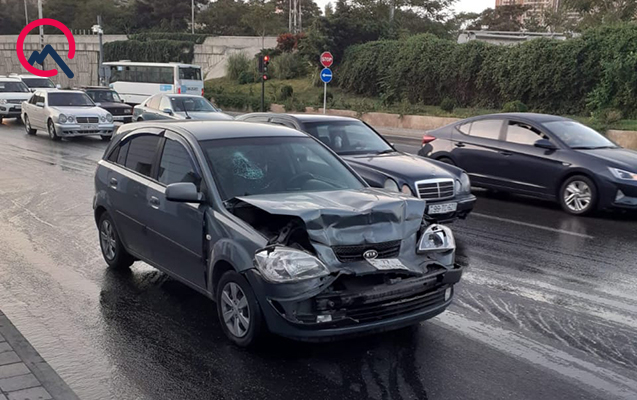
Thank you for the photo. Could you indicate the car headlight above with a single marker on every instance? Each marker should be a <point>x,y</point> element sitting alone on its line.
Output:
<point>62,119</point>
<point>436,238</point>
<point>128,111</point>
<point>70,119</point>
<point>391,185</point>
<point>463,185</point>
<point>3,101</point>
<point>621,174</point>
<point>407,190</point>
<point>282,264</point>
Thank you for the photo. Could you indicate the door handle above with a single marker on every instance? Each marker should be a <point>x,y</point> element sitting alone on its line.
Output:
<point>113,183</point>
<point>506,153</point>
<point>154,202</point>
<point>460,144</point>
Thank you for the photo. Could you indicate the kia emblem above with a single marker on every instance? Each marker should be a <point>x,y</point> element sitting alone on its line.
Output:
<point>370,254</point>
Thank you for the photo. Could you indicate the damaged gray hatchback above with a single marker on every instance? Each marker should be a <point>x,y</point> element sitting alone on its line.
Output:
<point>274,227</point>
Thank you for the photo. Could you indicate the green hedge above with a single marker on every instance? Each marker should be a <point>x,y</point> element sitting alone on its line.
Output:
<point>162,50</point>
<point>596,71</point>
<point>182,37</point>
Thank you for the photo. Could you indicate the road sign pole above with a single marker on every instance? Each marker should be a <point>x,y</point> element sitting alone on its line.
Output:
<point>262,93</point>
<point>324,97</point>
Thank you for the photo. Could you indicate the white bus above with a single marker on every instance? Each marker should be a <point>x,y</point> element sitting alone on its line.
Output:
<point>136,81</point>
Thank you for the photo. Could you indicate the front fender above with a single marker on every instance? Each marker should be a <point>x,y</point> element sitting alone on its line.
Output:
<point>225,250</point>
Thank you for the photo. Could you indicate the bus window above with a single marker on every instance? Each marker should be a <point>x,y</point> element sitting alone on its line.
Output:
<point>190,73</point>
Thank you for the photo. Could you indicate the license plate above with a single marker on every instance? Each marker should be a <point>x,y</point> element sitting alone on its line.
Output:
<point>387,264</point>
<point>442,208</point>
<point>88,127</point>
<point>18,107</point>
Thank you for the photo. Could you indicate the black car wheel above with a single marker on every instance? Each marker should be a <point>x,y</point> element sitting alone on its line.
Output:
<point>578,195</point>
<point>447,160</point>
<point>239,312</point>
<point>112,249</point>
<point>52,134</point>
<point>27,126</point>
<point>106,138</point>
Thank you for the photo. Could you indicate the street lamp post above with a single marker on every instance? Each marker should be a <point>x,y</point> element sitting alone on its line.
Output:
<point>41,29</point>
<point>26,12</point>
<point>193,16</point>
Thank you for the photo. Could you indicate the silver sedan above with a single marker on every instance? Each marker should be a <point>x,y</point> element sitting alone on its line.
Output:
<point>66,113</point>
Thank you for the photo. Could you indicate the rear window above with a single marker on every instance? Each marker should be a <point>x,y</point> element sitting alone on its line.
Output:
<point>190,73</point>
<point>141,153</point>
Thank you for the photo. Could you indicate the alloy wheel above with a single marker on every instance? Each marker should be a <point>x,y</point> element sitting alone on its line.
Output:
<point>578,196</point>
<point>107,239</point>
<point>235,309</point>
<point>51,130</point>
<point>27,124</point>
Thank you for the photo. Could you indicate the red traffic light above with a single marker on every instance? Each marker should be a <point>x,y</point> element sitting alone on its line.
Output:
<point>266,58</point>
<point>265,77</point>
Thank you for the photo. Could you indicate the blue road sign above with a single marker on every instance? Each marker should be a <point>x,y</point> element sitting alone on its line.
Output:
<point>326,75</point>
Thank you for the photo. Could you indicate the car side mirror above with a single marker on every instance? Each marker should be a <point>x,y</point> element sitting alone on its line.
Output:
<point>39,104</point>
<point>58,86</point>
<point>122,100</point>
<point>168,111</point>
<point>183,192</point>
<point>98,104</point>
<point>545,144</point>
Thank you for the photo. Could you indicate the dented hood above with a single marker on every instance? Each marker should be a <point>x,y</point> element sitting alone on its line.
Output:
<point>347,217</point>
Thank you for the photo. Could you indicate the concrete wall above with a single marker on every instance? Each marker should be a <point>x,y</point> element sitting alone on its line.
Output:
<point>212,55</point>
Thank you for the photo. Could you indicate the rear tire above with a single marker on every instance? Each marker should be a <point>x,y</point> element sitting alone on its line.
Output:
<point>113,251</point>
<point>52,133</point>
<point>239,311</point>
<point>578,195</point>
<point>27,126</point>
<point>447,160</point>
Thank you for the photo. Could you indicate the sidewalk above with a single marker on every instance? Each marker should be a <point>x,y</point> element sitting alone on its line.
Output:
<point>24,375</point>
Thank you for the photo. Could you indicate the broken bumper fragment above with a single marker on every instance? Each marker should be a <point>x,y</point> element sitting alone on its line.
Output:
<point>350,305</point>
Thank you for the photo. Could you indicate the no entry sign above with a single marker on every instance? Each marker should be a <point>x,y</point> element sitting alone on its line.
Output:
<point>327,59</point>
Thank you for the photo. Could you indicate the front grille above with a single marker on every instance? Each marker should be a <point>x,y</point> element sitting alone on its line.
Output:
<point>15,101</point>
<point>382,310</point>
<point>87,120</point>
<point>355,253</point>
<point>119,111</point>
<point>435,189</point>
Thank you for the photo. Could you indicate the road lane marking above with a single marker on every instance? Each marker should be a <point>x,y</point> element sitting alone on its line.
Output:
<point>566,364</point>
<point>545,228</point>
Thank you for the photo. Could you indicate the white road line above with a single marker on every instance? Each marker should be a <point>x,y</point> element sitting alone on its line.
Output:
<point>545,228</point>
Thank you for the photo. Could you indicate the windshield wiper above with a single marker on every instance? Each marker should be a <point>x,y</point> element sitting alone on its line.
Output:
<point>592,148</point>
<point>386,151</point>
<point>185,111</point>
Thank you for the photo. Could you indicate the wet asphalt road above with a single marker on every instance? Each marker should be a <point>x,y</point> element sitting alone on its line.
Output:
<point>546,310</point>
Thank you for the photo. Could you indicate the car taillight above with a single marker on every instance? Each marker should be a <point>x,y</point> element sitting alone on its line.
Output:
<point>202,92</point>
<point>427,139</point>
<point>178,90</point>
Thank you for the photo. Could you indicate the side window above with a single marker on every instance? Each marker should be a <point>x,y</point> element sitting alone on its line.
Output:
<point>487,129</point>
<point>465,128</point>
<point>141,153</point>
<point>521,133</point>
<point>164,103</point>
<point>153,102</point>
<point>176,165</point>
<point>114,154</point>
<point>123,152</point>
<point>32,100</point>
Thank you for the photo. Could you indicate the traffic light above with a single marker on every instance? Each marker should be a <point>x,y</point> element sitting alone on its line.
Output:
<point>263,66</point>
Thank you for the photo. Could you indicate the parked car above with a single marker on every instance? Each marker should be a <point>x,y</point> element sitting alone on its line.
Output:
<point>109,100</point>
<point>540,155</point>
<point>35,82</point>
<point>446,188</point>
<point>12,93</point>
<point>66,113</point>
<point>274,227</point>
<point>178,106</point>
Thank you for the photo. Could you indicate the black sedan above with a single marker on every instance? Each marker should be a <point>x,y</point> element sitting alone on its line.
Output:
<point>446,188</point>
<point>109,100</point>
<point>540,155</point>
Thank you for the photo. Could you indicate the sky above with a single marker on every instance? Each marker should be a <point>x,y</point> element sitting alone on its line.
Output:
<point>461,5</point>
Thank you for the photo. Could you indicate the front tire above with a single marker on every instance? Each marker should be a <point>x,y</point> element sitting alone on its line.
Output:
<point>239,312</point>
<point>113,251</point>
<point>578,195</point>
<point>27,126</point>
<point>52,133</point>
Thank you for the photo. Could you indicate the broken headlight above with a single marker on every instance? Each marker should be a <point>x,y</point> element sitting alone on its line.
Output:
<point>281,264</point>
<point>437,238</point>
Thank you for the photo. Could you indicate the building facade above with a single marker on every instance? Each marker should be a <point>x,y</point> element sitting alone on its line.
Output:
<point>537,7</point>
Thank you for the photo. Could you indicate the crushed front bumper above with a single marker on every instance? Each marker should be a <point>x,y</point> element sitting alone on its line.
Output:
<point>349,305</point>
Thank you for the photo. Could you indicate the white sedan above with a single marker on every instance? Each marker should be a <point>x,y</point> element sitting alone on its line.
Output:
<point>66,113</point>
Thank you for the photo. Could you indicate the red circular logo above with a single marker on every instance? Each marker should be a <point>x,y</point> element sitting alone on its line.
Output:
<point>20,45</point>
<point>327,59</point>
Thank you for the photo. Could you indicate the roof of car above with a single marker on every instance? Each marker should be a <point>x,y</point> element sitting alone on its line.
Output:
<point>208,130</point>
<point>96,88</point>
<point>9,79</point>
<point>528,116</point>
<point>62,91</point>
<point>309,117</point>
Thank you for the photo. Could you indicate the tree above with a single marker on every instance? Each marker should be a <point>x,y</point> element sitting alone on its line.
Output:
<point>503,18</point>
<point>223,17</point>
<point>597,12</point>
<point>260,18</point>
<point>12,19</point>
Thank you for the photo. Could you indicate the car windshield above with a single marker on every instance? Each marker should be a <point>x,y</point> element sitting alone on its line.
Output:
<point>39,83</point>
<point>269,165</point>
<point>70,100</point>
<point>13,87</point>
<point>348,137</point>
<point>181,104</point>
<point>578,136</point>
<point>104,96</point>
